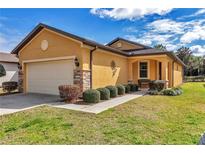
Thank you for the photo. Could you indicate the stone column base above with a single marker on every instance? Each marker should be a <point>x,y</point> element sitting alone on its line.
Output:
<point>82,79</point>
<point>20,81</point>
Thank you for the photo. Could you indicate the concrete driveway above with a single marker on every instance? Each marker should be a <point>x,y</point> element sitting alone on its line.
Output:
<point>20,102</point>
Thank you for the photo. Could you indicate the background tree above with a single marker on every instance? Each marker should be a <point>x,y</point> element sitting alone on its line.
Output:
<point>160,47</point>
<point>2,70</point>
<point>185,55</point>
<point>195,65</point>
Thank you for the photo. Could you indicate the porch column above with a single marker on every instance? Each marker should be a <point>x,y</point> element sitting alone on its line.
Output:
<point>165,72</point>
<point>130,71</point>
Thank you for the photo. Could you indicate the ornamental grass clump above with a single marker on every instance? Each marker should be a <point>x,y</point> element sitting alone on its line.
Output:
<point>69,93</point>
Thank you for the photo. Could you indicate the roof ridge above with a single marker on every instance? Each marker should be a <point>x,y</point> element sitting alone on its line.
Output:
<point>82,39</point>
<point>40,26</point>
<point>129,41</point>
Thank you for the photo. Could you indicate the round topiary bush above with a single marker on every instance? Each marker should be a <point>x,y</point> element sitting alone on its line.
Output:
<point>127,88</point>
<point>91,96</point>
<point>120,89</point>
<point>133,87</point>
<point>104,93</point>
<point>113,91</point>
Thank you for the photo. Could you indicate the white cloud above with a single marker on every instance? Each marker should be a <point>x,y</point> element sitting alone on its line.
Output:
<point>167,31</point>
<point>125,13</point>
<point>198,50</point>
<point>131,29</point>
<point>7,42</point>
<point>150,39</point>
<point>197,33</point>
<point>172,47</point>
<point>2,40</point>
<point>197,13</point>
<point>139,40</point>
<point>166,25</point>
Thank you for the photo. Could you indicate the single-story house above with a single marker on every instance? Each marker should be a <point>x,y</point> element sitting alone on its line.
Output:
<point>10,64</point>
<point>50,57</point>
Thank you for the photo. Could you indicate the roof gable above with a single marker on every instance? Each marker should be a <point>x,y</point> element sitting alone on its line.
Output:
<point>128,45</point>
<point>40,26</point>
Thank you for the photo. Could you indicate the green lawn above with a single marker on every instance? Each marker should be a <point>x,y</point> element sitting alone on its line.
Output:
<point>146,120</point>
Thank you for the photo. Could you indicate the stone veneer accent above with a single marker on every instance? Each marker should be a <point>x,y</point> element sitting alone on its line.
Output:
<point>20,80</point>
<point>82,78</point>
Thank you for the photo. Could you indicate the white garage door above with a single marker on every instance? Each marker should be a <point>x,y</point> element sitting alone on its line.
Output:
<point>45,77</point>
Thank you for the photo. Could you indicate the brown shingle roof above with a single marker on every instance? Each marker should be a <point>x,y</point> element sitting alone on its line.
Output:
<point>40,26</point>
<point>7,57</point>
<point>146,51</point>
<point>131,42</point>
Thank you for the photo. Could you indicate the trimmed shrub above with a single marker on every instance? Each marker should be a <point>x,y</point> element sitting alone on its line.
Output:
<point>140,81</point>
<point>113,91</point>
<point>91,96</point>
<point>178,90</point>
<point>9,86</point>
<point>157,85</point>
<point>104,93</point>
<point>121,89</point>
<point>153,92</point>
<point>133,87</point>
<point>69,93</point>
<point>168,92</point>
<point>127,88</point>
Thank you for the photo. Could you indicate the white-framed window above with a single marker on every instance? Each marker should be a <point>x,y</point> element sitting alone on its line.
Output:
<point>143,69</point>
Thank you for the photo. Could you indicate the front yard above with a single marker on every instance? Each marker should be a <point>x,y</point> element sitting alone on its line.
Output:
<point>145,120</point>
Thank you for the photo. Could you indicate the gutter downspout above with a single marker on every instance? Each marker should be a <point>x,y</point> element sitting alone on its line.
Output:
<point>173,73</point>
<point>91,66</point>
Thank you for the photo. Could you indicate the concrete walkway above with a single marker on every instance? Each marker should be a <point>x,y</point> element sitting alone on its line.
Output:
<point>20,102</point>
<point>102,106</point>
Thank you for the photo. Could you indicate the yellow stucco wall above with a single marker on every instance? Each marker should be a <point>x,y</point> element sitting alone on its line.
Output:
<point>103,74</point>
<point>125,45</point>
<point>135,72</point>
<point>152,70</point>
<point>178,72</point>
<point>58,46</point>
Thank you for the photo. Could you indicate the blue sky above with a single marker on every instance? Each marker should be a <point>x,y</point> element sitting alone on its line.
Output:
<point>171,27</point>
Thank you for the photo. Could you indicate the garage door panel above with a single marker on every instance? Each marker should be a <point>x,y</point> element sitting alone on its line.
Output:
<point>45,77</point>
